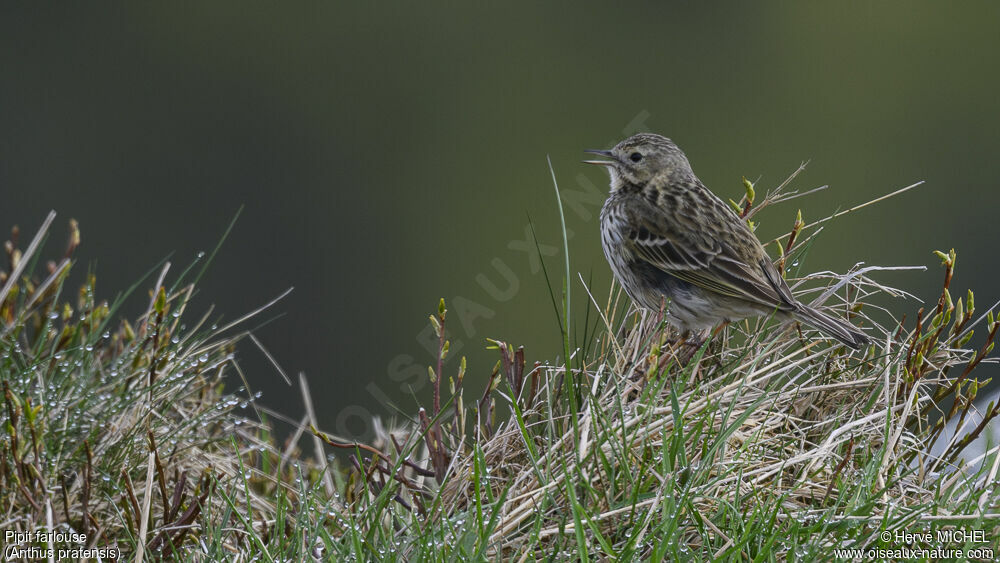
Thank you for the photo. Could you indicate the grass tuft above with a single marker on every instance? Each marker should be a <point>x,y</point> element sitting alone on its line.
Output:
<point>763,443</point>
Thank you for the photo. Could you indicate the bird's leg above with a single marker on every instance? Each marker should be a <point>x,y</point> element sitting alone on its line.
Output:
<point>720,328</point>
<point>688,345</point>
<point>677,349</point>
<point>701,337</point>
<point>692,341</point>
<point>670,353</point>
<point>802,338</point>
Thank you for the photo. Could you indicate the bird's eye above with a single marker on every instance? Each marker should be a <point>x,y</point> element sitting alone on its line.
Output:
<point>635,157</point>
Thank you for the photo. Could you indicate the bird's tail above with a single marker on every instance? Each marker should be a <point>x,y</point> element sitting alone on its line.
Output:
<point>835,328</point>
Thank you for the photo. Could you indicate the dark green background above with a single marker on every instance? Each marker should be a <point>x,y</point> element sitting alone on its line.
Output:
<point>387,155</point>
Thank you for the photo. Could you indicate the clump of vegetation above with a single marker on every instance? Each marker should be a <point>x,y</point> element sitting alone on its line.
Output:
<point>121,430</point>
<point>763,443</point>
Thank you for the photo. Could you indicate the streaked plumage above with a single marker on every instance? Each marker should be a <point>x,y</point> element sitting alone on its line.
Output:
<point>667,237</point>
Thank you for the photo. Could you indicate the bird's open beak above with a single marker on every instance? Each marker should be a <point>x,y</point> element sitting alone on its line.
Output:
<point>601,153</point>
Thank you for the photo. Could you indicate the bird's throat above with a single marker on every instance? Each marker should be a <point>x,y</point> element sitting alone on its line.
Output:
<point>616,179</point>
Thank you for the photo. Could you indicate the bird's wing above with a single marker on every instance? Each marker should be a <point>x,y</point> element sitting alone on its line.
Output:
<point>721,255</point>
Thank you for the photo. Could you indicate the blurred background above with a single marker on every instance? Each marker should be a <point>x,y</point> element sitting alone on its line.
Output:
<point>385,158</point>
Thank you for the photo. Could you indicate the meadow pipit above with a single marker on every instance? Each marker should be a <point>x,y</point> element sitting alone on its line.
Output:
<point>667,237</point>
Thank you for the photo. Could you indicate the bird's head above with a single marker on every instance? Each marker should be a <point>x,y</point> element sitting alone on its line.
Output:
<point>641,158</point>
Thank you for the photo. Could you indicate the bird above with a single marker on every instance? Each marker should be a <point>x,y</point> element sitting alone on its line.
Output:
<point>673,243</point>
